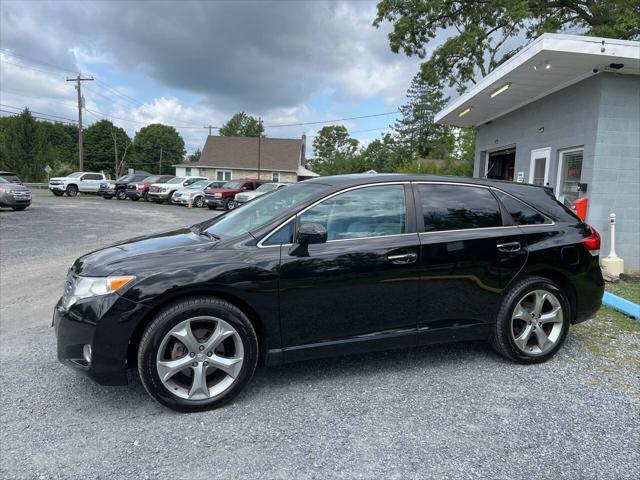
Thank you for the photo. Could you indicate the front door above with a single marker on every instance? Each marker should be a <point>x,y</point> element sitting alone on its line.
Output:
<point>539,168</point>
<point>467,257</point>
<point>359,290</point>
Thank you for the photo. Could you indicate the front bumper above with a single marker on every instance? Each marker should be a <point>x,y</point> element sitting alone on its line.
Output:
<point>159,197</point>
<point>215,202</point>
<point>10,200</point>
<point>107,324</point>
<point>107,192</point>
<point>134,193</point>
<point>57,188</point>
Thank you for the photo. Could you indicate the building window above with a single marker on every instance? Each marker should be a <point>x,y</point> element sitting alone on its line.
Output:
<point>569,174</point>
<point>187,172</point>
<point>224,175</point>
<point>275,176</point>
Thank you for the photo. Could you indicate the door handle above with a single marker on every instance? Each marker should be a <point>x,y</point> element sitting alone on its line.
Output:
<point>403,258</point>
<point>508,247</point>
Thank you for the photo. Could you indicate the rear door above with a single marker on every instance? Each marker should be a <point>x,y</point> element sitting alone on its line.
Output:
<point>469,251</point>
<point>358,291</point>
<point>90,182</point>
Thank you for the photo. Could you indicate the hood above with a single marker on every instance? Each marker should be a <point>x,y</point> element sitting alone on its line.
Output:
<point>13,186</point>
<point>223,190</point>
<point>188,190</point>
<point>129,256</point>
<point>251,193</point>
<point>59,178</point>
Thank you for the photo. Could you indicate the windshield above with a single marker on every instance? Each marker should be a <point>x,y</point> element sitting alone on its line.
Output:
<point>152,179</point>
<point>231,185</point>
<point>267,187</point>
<point>176,180</point>
<point>10,178</point>
<point>261,210</point>
<point>199,185</point>
<point>125,178</point>
<point>74,174</point>
<point>2,180</point>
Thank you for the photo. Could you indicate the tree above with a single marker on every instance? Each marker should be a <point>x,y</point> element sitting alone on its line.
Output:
<point>416,131</point>
<point>485,34</point>
<point>335,152</point>
<point>158,147</point>
<point>242,125</point>
<point>106,148</point>
<point>382,155</point>
<point>194,157</point>
<point>22,150</point>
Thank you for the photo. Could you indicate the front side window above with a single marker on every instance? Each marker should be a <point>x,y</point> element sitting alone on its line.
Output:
<point>456,207</point>
<point>364,212</point>
<point>248,186</point>
<point>126,179</point>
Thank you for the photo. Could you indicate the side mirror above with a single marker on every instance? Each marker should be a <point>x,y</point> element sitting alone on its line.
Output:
<point>308,234</point>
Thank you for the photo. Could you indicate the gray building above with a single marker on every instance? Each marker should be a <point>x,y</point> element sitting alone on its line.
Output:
<point>565,112</point>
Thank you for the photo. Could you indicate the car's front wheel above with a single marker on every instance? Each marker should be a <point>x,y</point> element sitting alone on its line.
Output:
<point>72,191</point>
<point>229,204</point>
<point>121,194</point>
<point>197,354</point>
<point>532,322</point>
<point>199,202</point>
<point>58,193</point>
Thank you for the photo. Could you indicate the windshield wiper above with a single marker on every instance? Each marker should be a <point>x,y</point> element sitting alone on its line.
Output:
<point>200,231</point>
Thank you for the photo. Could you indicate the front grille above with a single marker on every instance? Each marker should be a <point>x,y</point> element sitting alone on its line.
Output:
<point>155,189</point>
<point>104,185</point>
<point>132,187</point>
<point>55,182</point>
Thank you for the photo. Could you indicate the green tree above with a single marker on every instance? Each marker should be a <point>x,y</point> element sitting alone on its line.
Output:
<point>194,157</point>
<point>383,155</point>
<point>242,125</point>
<point>106,148</point>
<point>484,34</point>
<point>335,152</point>
<point>22,150</point>
<point>156,144</point>
<point>416,131</point>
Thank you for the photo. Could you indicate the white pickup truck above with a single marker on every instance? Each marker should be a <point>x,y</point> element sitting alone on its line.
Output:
<point>76,182</point>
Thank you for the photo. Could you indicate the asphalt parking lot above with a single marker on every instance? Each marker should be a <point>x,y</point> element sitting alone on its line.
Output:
<point>451,411</point>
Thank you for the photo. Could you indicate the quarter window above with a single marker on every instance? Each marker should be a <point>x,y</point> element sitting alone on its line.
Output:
<point>365,212</point>
<point>522,214</point>
<point>456,207</point>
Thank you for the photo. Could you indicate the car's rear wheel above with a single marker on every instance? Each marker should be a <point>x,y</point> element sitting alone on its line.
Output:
<point>199,202</point>
<point>72,191</point>
<point>121,194</point>
<point>533,321</point>
<point>229,204</point>
<point>58,193</point>
<point>197,354</point>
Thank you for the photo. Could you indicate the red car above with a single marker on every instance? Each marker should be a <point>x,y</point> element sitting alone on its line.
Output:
<point>224,196</point>
<point>138,190</point>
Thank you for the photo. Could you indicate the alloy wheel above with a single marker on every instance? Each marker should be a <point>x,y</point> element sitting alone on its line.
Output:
<point>200,358</point>
<point>536,322</point>
<point>121,195</point>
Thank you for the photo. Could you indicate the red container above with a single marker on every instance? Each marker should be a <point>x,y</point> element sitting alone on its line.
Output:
<point>580,206</point>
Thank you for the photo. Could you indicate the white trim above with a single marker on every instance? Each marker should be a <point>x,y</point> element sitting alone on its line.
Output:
<point>539,153</point>
<point>561,154</point>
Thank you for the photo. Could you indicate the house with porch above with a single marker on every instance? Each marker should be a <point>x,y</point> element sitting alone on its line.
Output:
<point>230,158</point>
<point>564,112</point>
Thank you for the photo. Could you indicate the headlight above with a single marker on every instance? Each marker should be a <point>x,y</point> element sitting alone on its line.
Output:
<point>112,185</point>
<point>2,190</point>
<point>140,187</point>
<point>85,287</point>
<point>217,195</point>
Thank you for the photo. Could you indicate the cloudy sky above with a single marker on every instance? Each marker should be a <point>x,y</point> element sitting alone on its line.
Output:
<point>192,64</point>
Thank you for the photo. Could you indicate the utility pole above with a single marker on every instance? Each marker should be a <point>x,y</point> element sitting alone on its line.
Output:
<point>160,169</point>
<point>79,81</point>
<point>259,141</point>
<point>210,127</point>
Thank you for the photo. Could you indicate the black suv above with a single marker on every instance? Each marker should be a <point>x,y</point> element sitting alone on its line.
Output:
<point>331,266</point>
<point>118,188</point>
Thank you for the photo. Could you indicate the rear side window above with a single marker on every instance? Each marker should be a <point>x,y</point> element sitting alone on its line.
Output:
<point>522,214</point>
<point>457,207</point>
<point>92,176</point>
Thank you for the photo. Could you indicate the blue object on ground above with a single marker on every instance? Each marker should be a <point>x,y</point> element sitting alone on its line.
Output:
<point>621,304</point>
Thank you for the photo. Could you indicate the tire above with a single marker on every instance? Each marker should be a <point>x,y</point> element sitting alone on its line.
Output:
<point>211,207</point>
<point>18,209</point>
<point>57,193</point>
<point>72,191</point>
<point>145,196</point>
<point>521,327</point>
<point>200,312</point>
<point>229,204</point>
<point>121,194</point>
<point>198,202</point>
<point>135,199</point>
<point>107,197</point>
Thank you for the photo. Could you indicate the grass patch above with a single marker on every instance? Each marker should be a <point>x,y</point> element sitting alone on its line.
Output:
<point>628,290</point>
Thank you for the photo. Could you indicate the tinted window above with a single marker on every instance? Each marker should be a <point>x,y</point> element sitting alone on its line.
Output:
<point>455,207</point>
<point>138,178</point>
<point>522,214</point>
<point>92,176</point>
<point>248,186</point>
<point>284,235</point>
<point>365,212</point>
<point>126,179</point>
<point>11,178</point>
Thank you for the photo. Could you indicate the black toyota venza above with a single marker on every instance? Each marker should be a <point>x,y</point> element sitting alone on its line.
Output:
<point>325,267</point>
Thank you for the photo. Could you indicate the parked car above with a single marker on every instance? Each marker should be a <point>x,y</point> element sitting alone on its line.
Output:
<point>86,182</point>
<point>194,193</point>
<point>331,266</point>
<point>244,197</point>
<point>162,192</point>
<point>13,193</point>
<point>140,190</point>
<point>118,188</point>
<point>224,196</point>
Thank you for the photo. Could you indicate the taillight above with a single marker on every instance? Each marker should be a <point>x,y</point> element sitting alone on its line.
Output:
<point>592,242</point>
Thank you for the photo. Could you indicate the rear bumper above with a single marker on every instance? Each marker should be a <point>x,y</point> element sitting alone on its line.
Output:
<point>105,323</point>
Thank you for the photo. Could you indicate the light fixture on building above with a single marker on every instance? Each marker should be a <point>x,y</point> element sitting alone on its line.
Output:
<point>500,90</point>
<point>547,66</point>
<point>464,112</point>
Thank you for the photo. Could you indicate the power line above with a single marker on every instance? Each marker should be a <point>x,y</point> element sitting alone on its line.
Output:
<point>16,114</point>
<point>39,113</point>
<point>331,121</point>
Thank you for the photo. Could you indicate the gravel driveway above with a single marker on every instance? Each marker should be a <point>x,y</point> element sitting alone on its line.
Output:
<point>453,411</point>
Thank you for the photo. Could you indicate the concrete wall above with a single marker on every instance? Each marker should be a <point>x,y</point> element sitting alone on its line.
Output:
<point>600,114</point>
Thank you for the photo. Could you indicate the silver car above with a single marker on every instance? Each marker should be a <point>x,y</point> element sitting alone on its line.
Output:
<point>195,192</point>
<point>244,197</point>
<point>13,193</point>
